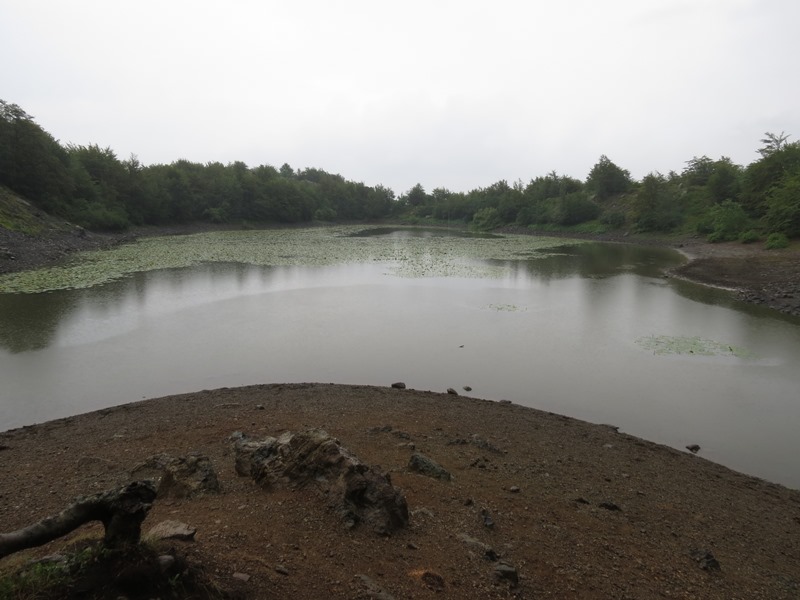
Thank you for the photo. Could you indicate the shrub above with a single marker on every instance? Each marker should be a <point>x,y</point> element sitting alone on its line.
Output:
<point>776,241</point>
<point>614,219</point>
<point>749,236</point>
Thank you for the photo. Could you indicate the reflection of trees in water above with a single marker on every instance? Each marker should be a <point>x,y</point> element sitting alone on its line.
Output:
<point>599,260</point>
<point>30,321</point>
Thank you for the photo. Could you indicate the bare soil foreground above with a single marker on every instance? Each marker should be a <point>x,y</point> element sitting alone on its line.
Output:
<point>571,509</point>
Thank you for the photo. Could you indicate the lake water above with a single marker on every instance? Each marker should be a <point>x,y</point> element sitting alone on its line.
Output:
<point>591,331</point>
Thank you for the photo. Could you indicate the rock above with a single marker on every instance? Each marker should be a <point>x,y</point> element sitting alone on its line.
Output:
<point>242,577</point>
<point>375,591</point>
<point>488,522</point>
<point>483,550</point>
<point>609,506</point>
<point>358,492</point>
<point>179,477</point>
<point>419,463</point>
<point>506,572</point>
<point>466,388</point>
<point>514,489</point>
<point>452,392</point>
<point>705,560</point>
<point>281,570</point>
<point>432,579</point>
<point>399,385</point>
<point>172,530</point>
<point>693,448</point>
<point>165,562</point>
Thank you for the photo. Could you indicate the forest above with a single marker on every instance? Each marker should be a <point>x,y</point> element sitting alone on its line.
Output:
<point>91,187</point>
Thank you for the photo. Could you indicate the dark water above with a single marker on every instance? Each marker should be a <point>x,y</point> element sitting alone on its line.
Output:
<point>558,333</point>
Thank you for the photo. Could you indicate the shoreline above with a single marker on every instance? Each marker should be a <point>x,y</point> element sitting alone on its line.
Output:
<point>579,510</point>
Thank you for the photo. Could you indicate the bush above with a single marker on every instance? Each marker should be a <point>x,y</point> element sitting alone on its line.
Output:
<point>749,236</point>
<point>486,219</point>
<point>776,241</point>
<point>613,219</point>
<point>729,221</point>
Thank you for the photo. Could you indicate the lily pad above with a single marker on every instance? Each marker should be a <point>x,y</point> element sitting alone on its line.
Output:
<point>433,256</point>
<point>690,345</point>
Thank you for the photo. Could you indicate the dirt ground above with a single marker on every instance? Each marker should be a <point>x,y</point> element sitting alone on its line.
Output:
<point>576,510</point>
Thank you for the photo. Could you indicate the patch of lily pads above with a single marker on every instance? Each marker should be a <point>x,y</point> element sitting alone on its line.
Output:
<point>433,256</point>
<point>506,308</point>
<point>690,345</point>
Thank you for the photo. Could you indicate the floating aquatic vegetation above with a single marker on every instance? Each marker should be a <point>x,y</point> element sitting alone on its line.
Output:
<point>432,256</point>
<point>506,308</point>
<point>666,344</point>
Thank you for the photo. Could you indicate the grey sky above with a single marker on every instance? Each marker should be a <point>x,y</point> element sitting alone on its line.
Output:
<point>448,94</point>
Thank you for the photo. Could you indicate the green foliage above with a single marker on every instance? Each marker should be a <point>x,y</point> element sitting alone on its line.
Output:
<point>657,207</point>
<point>728,221</point>
<point>607,179</point>
<point>614,219</point>
<point>783,206</point>
<point>576,208</point>
<point>748,237</point>
<point>776,241</point>
<point>767,173</point>
<point>486,219</point>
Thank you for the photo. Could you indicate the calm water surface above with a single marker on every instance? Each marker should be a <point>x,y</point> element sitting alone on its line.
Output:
<point>557,333</point>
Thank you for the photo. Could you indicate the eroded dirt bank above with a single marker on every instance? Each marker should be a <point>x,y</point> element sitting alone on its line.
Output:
<point>579,510</point>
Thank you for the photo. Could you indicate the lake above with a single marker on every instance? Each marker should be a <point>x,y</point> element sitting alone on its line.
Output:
<point>589,330</point>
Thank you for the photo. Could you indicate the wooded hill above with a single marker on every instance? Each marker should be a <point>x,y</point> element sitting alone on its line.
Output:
<point>90,186</point>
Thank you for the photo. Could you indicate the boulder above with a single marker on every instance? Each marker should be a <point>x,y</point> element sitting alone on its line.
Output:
<point>358,492</point>
<point>179,477</point>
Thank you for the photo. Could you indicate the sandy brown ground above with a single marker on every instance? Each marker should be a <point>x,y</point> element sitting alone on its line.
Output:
<point>553,530</point>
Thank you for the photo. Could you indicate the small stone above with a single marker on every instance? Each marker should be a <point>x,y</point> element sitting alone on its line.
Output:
<point>165,562</point>
<point>281,570</point>
<point>706,560</point>
<point>426,466</point>
<point>452,392</point>
<point>259,407</point>
<point>693,448</point>
<point>466,388</point>
<point>399,385</point>
<point>581,500</point>
<point>172,530</point>
<point>609,506</point>
<point>507,572</point>
<point>487,519</point>
<point>505,401</point>
<point>242,577</point>
<point>514,489</point>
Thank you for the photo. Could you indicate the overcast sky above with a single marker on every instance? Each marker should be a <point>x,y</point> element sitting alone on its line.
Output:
<point>449,94</point>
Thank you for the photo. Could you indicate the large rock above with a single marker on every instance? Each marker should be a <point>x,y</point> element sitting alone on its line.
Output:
<point>358,492</point>
<point>179,477</point>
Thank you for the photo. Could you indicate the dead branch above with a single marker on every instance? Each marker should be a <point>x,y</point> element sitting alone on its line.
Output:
<point>121,511</point>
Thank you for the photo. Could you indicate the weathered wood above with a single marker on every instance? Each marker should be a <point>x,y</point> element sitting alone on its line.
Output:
<point>121,511</point>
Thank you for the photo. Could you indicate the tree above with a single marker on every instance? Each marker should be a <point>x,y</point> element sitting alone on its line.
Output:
<point>783,207</point>
<point>773,142</point>
<point>657,207</point>
<point>729,220</point>
<point>416,196</point>
<point>607,179</point>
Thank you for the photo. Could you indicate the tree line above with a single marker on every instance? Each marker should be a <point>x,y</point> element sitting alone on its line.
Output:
<point>90,186</point>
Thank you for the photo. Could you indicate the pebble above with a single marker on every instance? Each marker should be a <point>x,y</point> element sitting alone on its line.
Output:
<point>242,577</point>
